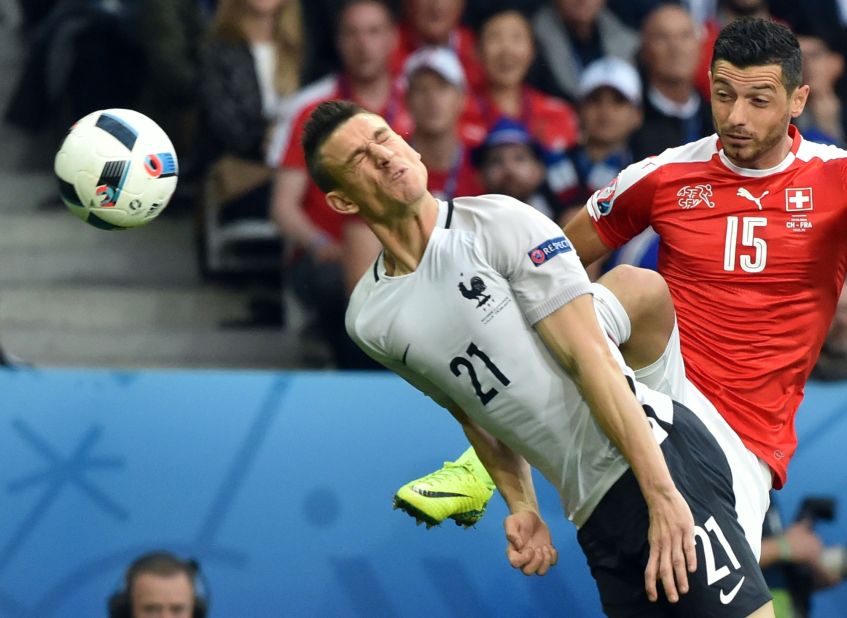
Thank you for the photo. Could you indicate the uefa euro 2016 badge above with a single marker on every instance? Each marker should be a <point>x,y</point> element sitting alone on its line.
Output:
<point>799,204</point>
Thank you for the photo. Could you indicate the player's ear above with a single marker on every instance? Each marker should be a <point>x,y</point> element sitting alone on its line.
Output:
<point>798,99</point>
<point>340,203</point>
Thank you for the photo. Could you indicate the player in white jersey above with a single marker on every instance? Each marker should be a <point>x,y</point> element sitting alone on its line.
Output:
<point>485,307</point>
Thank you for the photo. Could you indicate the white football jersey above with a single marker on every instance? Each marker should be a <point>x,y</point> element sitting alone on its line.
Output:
<point>459,328</point>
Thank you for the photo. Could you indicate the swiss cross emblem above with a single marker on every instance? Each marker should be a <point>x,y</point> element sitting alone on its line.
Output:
<point>798,200</point>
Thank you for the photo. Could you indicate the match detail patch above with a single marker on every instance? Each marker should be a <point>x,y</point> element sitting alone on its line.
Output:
<point>549,249</point>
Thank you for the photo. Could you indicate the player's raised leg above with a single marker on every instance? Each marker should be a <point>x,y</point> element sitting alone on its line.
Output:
<point>459,490</point>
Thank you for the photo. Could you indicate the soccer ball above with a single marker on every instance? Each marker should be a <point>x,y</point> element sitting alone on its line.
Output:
<point>116,168</point>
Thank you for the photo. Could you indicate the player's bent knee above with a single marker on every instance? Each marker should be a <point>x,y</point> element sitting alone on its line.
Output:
<point>642,292</point>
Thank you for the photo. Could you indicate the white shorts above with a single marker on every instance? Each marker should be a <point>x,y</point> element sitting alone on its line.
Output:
<point>751,477</point>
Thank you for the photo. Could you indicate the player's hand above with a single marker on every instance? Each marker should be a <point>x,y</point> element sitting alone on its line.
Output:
<point>529,546</point>
<point>672,550</point>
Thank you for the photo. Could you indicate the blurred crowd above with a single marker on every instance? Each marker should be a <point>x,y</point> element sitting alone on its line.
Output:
<point>544,100</point>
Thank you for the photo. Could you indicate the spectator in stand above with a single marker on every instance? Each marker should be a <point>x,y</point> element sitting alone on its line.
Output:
<point>823,119</point>
<point>633,12</point>
<point>172,33</point>
<point>367,38</point>
<point>610,111</point>
<point>436,23</point>
<point>435,97</point>
<point>674,112</point>
<point>573,33</point>
<point>507,51</point>
<point>252,60</point>
<point>67,65</point>
<point>159,584</point>
<point>512,162</point>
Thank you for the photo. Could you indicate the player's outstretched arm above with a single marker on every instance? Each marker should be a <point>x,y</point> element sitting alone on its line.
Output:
<point>529,546</point>
<point>585,239</point>
<point>574,337</point>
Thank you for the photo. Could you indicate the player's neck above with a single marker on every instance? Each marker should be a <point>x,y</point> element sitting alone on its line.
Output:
<point>438,152</point>
<point>405,238</point>
<point>769,159</point>
<point>507,99</point>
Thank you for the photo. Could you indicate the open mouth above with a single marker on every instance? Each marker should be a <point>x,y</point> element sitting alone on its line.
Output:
<point>398,174</point>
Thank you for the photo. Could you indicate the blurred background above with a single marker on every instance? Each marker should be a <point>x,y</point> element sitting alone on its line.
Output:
<point>187,386</point>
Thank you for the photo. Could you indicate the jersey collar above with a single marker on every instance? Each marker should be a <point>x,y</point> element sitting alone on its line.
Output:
<point>444,220</point>
<point>796,140</point>
<point>445,214</point>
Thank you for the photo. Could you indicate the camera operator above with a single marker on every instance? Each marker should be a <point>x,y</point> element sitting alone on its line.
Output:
<point>795,561</point>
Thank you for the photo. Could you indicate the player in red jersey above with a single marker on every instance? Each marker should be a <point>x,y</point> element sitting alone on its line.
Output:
<point>752,221</point>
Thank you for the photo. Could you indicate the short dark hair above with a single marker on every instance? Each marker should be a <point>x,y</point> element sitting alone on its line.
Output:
<point>161,563</point>
<point>322,122</point>
<point>748,41</point>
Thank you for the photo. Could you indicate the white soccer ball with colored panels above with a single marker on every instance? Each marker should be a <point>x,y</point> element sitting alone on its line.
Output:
<point>117,169</point>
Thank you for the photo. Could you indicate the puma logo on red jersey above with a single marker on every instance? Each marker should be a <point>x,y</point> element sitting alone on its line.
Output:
<point>689,196</point>
<point>742,192</point>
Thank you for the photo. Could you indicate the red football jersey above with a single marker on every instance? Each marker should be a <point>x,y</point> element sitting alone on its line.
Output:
<point>755,261</point>
<point>462,41</point>
<point>286,150</point>
<point>550,120</point>
<point>459,180</point>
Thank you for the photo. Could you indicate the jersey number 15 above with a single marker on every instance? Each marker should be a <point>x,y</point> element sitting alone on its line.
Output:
<point>750,264</point>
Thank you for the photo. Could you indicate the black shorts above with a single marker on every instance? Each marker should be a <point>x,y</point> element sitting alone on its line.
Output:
<point>728,581</point>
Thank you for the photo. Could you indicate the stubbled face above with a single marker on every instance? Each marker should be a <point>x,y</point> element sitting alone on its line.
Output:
<point>608,118</point>
<point>506,49</point>
<point>433,20</point>
<point>156,596</point>
<point>751,111</point>
<point>366,40</point>
<point>375,168</point>
<point>434,103</point>
<point>670,47</point>
<point>512,169</point>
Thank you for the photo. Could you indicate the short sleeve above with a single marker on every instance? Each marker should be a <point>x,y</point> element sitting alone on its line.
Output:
<point>532,253</point>
<point>622,209</point>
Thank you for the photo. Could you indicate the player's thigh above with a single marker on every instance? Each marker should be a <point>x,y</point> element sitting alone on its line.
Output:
<point>728,580</point>
<point>667,373</point>
<point>751,477</point>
